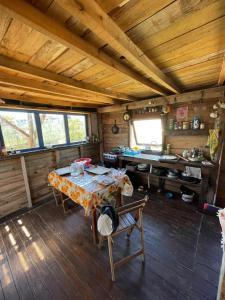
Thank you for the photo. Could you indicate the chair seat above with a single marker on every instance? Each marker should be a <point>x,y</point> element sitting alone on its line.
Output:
<point>125,221</point>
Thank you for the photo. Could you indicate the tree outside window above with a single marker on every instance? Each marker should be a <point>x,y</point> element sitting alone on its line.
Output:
<point>19,130</point>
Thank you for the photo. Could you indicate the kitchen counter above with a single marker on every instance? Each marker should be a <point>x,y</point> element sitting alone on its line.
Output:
<point>155,160</point>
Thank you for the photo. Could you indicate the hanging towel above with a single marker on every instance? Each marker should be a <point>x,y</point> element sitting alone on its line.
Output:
<point>213,142</point>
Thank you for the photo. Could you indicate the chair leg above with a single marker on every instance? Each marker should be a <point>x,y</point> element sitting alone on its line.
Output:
<point>111,258</point>
<point>64,208</point>
<point>101,239</point>
<point>55,197</point>
<point>142,234</point>
<point>130,232</point>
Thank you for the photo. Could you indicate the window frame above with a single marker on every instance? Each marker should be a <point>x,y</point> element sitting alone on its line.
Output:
<point>86,126</point>
<point>146,144</point>
<point>37,122</point>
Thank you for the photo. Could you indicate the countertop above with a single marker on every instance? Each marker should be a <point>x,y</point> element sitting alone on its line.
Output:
<point>156,159</point>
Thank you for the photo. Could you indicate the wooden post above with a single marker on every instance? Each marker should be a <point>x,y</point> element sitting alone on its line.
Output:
<point>57,158</point>
<point>94,226</point>
<point>26,182</point>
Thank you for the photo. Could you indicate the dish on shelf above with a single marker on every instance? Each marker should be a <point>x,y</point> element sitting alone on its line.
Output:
<point>143,167</point>
<point>168,157</point>
<point>172,176</point>
<point>187,198</point>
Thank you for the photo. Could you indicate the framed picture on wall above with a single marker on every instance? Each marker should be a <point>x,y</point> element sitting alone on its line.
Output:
<point>182,114</point>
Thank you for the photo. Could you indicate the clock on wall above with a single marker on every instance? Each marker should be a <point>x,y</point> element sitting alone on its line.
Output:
<point>126,116</point>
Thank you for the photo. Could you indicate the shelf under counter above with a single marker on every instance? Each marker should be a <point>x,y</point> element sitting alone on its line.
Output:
<point>202,186</point>
<point>166,178</point>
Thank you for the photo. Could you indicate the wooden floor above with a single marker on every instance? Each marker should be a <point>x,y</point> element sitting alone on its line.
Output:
<point>46,255</point>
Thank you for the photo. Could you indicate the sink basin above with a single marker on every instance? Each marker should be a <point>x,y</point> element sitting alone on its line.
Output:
<point>151,152</point>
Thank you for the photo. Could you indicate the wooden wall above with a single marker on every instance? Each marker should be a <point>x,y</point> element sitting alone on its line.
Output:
<point>178,143</point>
<point>112,140</point>
<point>13,195</point>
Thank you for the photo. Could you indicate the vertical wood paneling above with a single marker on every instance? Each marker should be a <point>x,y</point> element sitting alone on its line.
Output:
<point>112,140</point>
<point>13,194</point>
<point>12,190</point>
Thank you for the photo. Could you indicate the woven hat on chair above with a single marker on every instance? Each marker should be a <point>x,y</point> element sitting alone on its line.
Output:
<point>108,220</point>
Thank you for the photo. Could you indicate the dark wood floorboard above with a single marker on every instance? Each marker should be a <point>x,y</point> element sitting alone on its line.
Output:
<point>46,254</point>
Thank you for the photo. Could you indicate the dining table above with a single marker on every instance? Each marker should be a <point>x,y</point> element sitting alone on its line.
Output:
<point>91,191</point>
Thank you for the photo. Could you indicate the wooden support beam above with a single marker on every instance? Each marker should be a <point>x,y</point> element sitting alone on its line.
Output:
<point>82,110</point>
<point>15,94</point>
<point>9,64</point>
<point>34,18</point>
<point>222,73</point>
<point>26,182</point>
<point>50,89</point>
<point>200,95</point>
<point>90,13</point>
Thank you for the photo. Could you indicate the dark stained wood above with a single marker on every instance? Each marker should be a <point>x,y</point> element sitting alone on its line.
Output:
<point>187,132</point>
<point>182,249</point>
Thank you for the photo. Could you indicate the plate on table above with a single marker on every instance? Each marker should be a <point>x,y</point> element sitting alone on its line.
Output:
<point>105,180</point>
<point>99,170</point>
<point>63,171</point>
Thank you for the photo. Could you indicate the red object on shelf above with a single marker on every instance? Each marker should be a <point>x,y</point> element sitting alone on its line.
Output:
<point>86,160</point>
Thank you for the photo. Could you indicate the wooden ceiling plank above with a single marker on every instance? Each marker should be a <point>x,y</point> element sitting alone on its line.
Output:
<point>44,24</point>
<point>7,63</point>
<point>51,89</point>
<point>222,73</point>
<point>65,61</point>
<point>46,54</point>
<point>195,61</point>
<point>175,20</point>
<point>192,45</point>
<point>93,16</point>
<point>5,21</point>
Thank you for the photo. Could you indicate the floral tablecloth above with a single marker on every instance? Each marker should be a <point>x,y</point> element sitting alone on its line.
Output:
<point>86,191</point>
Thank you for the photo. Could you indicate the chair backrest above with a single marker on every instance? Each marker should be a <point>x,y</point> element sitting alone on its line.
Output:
<point>132,207</point>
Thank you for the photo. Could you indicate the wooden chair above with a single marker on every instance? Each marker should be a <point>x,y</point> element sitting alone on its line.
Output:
<point>130,217</point>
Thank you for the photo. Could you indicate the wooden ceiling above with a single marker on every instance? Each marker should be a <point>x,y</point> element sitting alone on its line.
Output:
<point>96,53</point>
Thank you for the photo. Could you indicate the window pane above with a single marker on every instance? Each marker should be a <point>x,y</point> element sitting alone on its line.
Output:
<point>53,129</point>
<point>77,128</point>
<point>19,130</point>
<point>148,132</point>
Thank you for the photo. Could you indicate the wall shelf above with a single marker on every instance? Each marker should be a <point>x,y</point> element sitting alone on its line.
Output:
<point>187,132</point>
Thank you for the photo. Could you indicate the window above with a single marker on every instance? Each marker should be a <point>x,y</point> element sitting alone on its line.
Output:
<point>27,130</point>
<point>77,128</point>
<point>19,130</point>
<point>53,129</point>
<point>147,133</point>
